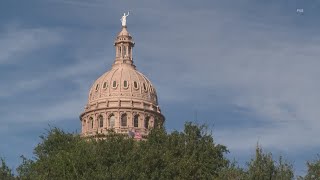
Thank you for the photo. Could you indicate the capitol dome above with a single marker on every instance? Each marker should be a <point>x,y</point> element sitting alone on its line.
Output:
<point>122,99</point>
<point>125,82</point>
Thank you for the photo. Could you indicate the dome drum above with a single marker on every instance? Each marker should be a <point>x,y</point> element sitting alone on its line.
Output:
<point>99,121</point>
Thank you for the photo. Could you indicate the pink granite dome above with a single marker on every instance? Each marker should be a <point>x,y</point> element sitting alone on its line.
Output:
<point>122,99</point>
<point>125,82</point>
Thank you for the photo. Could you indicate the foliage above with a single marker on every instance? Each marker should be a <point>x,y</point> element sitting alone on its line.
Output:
<point>5,171</point>
<point>313,170</point>
<point>24,170</point>
<point>191,154</point>
<point>232,172</point>
<point>263,167</point>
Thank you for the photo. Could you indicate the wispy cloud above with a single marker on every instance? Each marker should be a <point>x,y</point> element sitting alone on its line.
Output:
<point>16,41</point>
<point>256,66</point>
<point>259,58</point>
<point>270,71</point>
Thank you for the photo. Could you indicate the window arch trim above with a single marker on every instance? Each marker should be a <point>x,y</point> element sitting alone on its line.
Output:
<point>146,122</point>
<point>114,84</point>
<point>105,85</point>
<point>136,121</point>
<point>111,120</point>
<point>135,85</point>
<point>124,120</point>
<point>125,84</point>
<point>91,122</point>
<point>100,119</point>
<point>145,87</point>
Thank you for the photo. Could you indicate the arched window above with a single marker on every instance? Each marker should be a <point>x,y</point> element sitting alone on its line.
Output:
<point>135,84</point>
<point>136,121</point>
<point>144,86</point>
<point>124,120</point>
<point>100,121</point>
<point>97,87</point>
<point>114,84</point>
<point>124,51</point>
<point>112,120</point>
<point>91,121</point>
<point>125,83</point>
<point>105,85</point>
<point>146,122</point>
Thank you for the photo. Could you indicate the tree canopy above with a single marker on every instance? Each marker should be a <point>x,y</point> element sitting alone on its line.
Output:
<point>313,170</point>
<point>190,154</point>
<point>5,171</point>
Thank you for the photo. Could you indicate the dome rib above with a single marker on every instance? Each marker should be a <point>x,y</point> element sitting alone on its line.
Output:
<point>111,80</point>
<point>130,84</point>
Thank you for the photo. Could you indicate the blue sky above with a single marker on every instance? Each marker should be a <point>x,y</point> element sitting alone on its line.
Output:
<point>249,68</point>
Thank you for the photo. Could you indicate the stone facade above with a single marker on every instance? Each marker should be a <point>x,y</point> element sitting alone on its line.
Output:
<point>122,99</point>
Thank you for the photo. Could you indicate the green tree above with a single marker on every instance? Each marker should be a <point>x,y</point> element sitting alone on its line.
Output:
<point>232,172</point>
<point>5,171</point>
<point>313,170</point>
<point>191,154</point>
<point>263,167</point>
<point>24,169</point>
